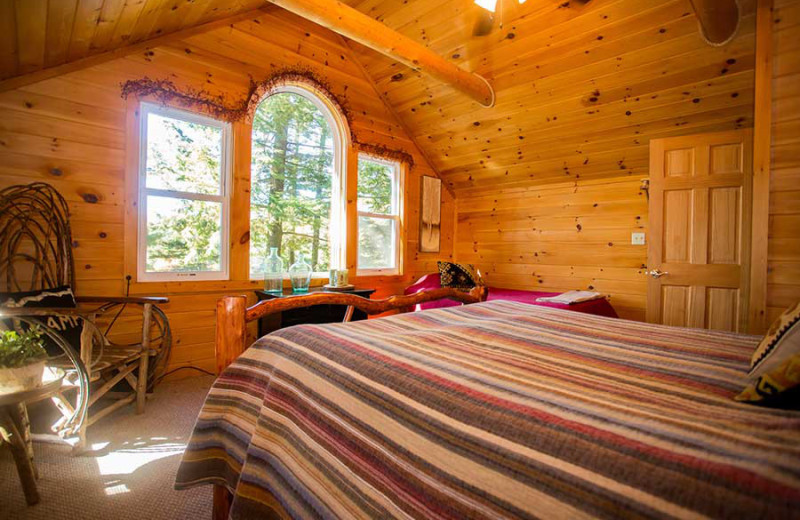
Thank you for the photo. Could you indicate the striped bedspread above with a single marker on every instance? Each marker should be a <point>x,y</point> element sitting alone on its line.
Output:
<point>494,410</point>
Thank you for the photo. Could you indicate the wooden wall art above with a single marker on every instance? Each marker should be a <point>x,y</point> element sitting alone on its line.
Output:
<point>430,214</point>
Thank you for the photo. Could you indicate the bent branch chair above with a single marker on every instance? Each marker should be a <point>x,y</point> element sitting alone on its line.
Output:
<point>36,256</point>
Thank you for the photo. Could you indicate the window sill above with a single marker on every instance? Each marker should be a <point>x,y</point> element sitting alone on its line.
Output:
<point>232,286</point>
<point>372,273</point>
<point>194,286</point>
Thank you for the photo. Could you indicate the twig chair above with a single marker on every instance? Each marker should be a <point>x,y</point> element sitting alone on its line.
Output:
<point>36,255</point>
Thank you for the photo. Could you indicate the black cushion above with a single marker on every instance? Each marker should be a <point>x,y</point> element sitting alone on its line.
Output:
<point>69,327</point>
<point>458,276</point>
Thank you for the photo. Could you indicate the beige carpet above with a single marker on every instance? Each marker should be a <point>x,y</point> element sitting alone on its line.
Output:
<point>130,476</point>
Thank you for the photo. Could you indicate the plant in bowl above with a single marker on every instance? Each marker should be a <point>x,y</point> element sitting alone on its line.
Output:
<point>22,360</point>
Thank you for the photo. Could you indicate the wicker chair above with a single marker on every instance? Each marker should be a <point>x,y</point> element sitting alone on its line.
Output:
<point>36,254</point>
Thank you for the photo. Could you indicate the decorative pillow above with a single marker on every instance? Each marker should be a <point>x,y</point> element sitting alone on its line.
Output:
<point>775,366</point>
<point>69,327</point>
<point>458,276</point>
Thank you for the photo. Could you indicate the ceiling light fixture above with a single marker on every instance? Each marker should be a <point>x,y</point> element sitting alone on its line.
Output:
<point>489,5</point>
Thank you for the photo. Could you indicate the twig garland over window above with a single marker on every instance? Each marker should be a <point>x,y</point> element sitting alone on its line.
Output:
<point>167,93</point>
<point>218,106</point>
<point>386,153</point>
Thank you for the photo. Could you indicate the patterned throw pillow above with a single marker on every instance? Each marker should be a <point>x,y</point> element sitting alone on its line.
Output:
<point>69,327</point>
<point>775,367</point>
<point>458,276</point>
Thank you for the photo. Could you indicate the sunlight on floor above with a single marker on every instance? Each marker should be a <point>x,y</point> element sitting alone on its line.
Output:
<point>129,456</point>
<point>126,472</point>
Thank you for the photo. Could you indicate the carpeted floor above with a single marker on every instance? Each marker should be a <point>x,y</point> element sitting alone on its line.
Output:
<point>129,476</point>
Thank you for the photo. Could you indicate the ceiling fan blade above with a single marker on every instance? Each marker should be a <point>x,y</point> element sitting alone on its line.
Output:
<point>484,24</point>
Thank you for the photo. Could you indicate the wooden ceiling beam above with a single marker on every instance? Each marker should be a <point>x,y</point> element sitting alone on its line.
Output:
<point>719,19</point>
<point>120,52</point>
<point>395,115</point>
<point>359,27</point>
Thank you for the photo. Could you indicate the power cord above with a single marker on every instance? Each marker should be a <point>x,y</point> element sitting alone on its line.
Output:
<point>119,312</point>
<point>162,376</point>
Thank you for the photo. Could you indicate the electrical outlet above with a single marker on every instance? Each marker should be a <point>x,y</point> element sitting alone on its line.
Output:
<point>637,239</point>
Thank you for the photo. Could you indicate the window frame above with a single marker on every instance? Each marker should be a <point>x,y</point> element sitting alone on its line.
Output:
<point>341,145</point>
<point>224,198</point>
<point>397,166</point>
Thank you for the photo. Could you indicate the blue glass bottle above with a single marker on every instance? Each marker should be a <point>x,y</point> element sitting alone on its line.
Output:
<point>300,274</point>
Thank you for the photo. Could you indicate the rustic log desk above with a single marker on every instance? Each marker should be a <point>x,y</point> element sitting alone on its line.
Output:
<point>317,314</point>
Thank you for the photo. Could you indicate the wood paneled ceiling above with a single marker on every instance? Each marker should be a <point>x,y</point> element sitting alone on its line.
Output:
<point>581,87</point>
<point>36,34</point>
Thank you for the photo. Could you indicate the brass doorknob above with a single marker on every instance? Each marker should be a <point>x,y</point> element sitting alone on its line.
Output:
<point>656,273</point>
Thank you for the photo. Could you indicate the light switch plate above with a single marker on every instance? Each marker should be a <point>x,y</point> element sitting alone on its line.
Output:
<point>637,239</point>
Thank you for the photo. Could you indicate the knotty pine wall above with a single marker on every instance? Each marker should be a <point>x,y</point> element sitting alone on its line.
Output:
<point>75,125</point>
<point>783,279</point>
<point>558,237</point>
<point>568,226</point>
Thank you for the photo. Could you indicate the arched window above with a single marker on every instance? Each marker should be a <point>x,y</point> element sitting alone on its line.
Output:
<point>296,181</point>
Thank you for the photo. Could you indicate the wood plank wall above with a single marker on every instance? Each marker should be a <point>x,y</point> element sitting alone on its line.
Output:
<point>783,279</point>
<point>558,237</point>
<point>576,233</point>
<point>71,131</point>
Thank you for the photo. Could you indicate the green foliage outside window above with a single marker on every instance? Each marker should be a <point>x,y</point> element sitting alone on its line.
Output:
<point>291,182</point>
<point>376,236</point>
<point>290,191</point>
<point>183,234</point>
<point>375,182</point>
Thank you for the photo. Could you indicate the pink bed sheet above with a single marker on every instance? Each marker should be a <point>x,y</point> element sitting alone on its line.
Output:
<point>599,307</point>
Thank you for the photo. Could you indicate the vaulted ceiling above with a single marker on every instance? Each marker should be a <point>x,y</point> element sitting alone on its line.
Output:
<point>581,87</point>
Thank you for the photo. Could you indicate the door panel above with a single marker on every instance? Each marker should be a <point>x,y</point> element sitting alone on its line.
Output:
<point>723,239</point>
<point>723,308</point>
<point>677,229</point>
<point>675,305</point>
<point>698,253</point>
<point>726,158</point>
<point>679,163</point>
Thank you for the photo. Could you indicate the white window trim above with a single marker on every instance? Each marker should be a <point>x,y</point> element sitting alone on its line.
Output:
<point>224,198</point>
<point>398,205</point>
<point>341,143</point>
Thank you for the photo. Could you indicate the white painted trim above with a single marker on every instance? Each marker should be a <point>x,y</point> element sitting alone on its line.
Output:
<point>142,275</point>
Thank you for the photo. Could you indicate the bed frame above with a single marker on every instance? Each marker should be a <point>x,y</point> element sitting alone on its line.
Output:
<point>233,315</point>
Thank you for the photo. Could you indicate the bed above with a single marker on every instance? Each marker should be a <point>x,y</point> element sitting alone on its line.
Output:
<point>494,410</point>
<point>600,307</point>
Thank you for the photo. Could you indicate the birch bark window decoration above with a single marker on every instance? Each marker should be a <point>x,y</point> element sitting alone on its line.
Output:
<point>430,215</point>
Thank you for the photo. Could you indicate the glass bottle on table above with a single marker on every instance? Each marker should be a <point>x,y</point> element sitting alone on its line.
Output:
<point>273,272</point>
<point>300,274</point>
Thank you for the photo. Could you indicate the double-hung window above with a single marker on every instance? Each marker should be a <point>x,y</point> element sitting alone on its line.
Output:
<point>379,206</point>
<point>184,196</point>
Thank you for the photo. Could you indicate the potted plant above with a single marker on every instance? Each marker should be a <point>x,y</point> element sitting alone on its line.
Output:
<point>22,360</point>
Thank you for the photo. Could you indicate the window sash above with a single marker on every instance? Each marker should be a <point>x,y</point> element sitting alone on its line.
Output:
<point>395,166</point>
<point>388,270</point>
<point>394,217</point>
<point>223,198</point>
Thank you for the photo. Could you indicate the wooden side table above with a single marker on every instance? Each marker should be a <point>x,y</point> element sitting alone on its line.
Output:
<point>315,314</point>
<point>15,429</point>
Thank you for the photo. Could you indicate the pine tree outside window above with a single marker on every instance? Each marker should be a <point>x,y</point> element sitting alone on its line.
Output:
<point>379,189</point>
<point>296,184</point>
<point>184,196</point>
